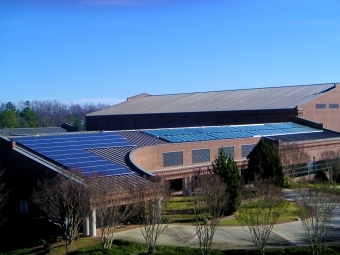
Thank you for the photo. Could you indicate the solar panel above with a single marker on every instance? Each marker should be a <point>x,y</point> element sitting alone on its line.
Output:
<point>232,135</point>
<point>253,128</point>
<point>70,150</point>
<point>177,135</point>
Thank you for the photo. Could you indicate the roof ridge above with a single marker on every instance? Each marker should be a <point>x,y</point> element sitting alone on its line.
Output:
<point>202,92</point>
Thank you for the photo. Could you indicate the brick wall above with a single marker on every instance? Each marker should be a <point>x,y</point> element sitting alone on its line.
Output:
<point>150,158</point>
<point>328,116</point>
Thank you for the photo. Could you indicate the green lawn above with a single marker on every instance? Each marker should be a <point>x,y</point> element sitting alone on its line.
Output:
<point>120,247</point>
<point>289,215</point>
<point>180,211</point>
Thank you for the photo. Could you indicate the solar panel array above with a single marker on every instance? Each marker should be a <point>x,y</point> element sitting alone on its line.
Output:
<point>178,135</point>
<point>70,151</point>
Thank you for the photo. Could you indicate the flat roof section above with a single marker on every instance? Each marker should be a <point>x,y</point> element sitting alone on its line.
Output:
<point>178,135</point>
<point>325,134</point>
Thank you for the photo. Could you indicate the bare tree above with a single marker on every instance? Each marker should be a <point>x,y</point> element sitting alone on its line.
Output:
<point>151,199</point>
<point>331,163</point>
<point>264,204</point>
<point>317,205</point>
<point>113,204</point>
<point>209,201</point>
<point>64,199</point>
<point>3,198</point>
<point>293,158</point>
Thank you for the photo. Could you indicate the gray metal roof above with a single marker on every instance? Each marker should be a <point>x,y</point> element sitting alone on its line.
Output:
<point>325,134</point>
<point>31,131</point>
<point>63,128</point>
<point>288,97</point>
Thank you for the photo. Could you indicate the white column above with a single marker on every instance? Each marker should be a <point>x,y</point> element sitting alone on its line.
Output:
<point>86,226</point>
<point>93,226</point>
<point>186,186</point>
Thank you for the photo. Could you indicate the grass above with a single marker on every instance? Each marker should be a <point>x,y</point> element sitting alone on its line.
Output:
<point>290,214</point>
<point>180,210</point>
<point>120,247</point>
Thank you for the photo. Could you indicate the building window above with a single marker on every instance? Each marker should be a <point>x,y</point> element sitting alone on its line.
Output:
<point>229,151</point>
<point>320,106</point>
<point>174,158</point>
<point>246,149</point>
<point>201,155</point>
<point>333,106</point>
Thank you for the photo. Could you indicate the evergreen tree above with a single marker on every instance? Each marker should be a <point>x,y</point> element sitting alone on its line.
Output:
<point>28,116</point>
<point>264,160</point>
<point>8,118</point>
<point>227,169</point>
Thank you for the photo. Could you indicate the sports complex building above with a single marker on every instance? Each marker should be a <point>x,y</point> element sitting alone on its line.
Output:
<point>175,136</point>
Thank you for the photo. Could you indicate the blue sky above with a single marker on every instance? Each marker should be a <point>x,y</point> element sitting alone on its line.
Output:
<point>89,51</point>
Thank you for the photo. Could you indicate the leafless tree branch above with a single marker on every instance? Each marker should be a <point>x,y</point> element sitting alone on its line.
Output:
<point>317,203</point>
<point>266,203</point>
<point>113,205</point>
<point>3,198</point>
<point>293,157</point>
<point>64,198</point>
<point>209,200</point>
<point>150,201</point>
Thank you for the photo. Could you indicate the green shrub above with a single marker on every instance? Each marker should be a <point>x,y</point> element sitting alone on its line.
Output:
<point>287,182</point>
<point>264,160</point>
<point>23,251</point>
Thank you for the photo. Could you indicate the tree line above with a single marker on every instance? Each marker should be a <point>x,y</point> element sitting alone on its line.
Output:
<point>45,113</point>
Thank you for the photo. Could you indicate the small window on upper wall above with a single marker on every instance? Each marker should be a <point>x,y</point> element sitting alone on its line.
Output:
<point>174,158</point>
<point>246,149</point>
<point>229,150</point>
<point>320,106</point>
<point>201,155</point>
<point>333,106</point>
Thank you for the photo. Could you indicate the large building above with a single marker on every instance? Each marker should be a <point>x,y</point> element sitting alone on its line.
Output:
<point>175,154</point>
<point>318,103</point>
<point>176,136</point>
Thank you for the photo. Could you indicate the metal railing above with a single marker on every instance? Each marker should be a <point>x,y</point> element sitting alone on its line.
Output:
<point>310,168</point>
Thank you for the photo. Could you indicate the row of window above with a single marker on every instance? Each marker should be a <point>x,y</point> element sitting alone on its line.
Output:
<point>175,158</point>
<point>324,106</point>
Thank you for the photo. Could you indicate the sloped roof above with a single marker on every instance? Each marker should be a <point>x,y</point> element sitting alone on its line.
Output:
<point>288,97</point>
<point>118,155</point>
